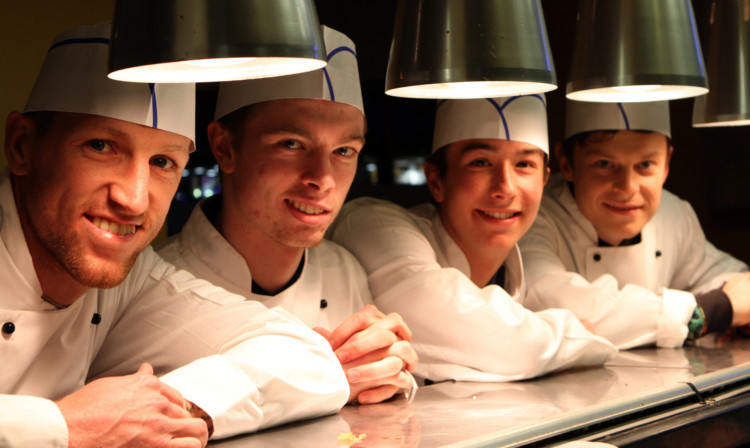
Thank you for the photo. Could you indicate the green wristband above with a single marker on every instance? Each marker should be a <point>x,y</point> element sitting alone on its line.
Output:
<point>697,326</point>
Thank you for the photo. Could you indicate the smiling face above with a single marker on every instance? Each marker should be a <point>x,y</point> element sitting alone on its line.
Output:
<point>288,172</point>
<point>489,193</point>
<point>92,193</point>
<point>618,180</point>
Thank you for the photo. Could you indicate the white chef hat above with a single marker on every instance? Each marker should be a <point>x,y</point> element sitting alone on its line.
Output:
<point>583,116</point>
<point>73,78</point>
<point>518,118</point>
<point>338,81</point>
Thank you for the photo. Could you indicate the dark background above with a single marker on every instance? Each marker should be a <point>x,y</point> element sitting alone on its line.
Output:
<point>709,168</point>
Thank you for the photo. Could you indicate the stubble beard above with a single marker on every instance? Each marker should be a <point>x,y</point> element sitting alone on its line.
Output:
<point>68,252</point>
<point>73,259</point>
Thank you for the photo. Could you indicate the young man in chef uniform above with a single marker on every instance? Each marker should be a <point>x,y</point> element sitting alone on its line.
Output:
<point>619,251</point>
<point>92,167</point>
<point>452,270</point>
<point>287,148</point>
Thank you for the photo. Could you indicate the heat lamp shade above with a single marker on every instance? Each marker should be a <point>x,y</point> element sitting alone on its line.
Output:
<point>636,50</point>
<point>727,53</point>
<point>213,40</point>
<point>469,49</point>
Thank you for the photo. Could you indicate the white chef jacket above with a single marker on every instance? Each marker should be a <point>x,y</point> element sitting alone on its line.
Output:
<point>331,287</point>
<point>240,361</point>
<point>460,331</point>
<point>633,295</point>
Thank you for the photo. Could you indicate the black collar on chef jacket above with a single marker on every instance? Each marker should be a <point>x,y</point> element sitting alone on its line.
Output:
<point>499,278</point>
<point>626,242</point>
<point>257,289</point>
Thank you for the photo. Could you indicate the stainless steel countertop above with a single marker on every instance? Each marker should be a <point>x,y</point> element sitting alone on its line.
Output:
<point>462,414</point>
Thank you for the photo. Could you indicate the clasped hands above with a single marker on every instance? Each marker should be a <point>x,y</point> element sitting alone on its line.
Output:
<point>376,354</point>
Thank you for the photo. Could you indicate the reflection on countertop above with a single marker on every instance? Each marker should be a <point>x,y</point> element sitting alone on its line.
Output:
<point>473,414</point>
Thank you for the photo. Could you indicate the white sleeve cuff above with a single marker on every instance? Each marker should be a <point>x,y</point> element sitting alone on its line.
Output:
<point>231,399</point>
<point>31,422</point>
<point>676,310</point>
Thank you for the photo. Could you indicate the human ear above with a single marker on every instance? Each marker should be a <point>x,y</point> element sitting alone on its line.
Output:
<point>434,181</point>
<point>566,167</point>
<point>18,136</point>
<point>220,139</point>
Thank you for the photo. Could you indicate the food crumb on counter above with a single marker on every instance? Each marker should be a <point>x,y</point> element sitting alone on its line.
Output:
<point>349,439</point>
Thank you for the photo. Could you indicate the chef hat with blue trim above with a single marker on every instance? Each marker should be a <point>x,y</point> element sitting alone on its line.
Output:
<point>338,81</point>
<point>583,116</point>
<point>518,118</point>
<point>74,79</point>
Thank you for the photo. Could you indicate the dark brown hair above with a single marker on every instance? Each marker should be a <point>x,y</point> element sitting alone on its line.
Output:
<point>235,122</point>
<point>439,159</point>
<point>42,121</point>
<point>584,138</point>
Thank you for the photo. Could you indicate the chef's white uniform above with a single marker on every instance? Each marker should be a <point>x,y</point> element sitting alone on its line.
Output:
<point>331,287</point>
<point>162,316</point>
<point>460,331</point>
<point>633,295</point>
